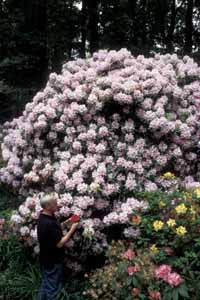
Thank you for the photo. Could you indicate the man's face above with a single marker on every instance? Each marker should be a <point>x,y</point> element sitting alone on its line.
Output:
<point>52,206</point>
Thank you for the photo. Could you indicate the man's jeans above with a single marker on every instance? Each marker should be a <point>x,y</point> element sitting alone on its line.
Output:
<point>52,283</point>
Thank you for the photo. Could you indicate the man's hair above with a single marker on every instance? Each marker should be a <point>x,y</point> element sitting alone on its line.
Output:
<point>47,199</point>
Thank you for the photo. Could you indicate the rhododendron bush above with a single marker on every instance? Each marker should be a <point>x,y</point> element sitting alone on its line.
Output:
<point>108,125</point>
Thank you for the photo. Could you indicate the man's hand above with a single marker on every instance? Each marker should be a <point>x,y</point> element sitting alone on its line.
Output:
<point>74,226</point>
<point>68,235</point>
<point>63,224</point>
<point>72,219</point>
<point>75,218</point>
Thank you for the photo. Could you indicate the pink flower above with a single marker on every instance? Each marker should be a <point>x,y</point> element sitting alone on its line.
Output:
<point>133,269</point>
<point>154,295</point>
<point>135,291</point>
<point>129,254</point>
<point>174,279</point>
<point>163,272</point>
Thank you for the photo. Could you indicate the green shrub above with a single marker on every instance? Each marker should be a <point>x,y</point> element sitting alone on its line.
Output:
<point>74,289</point>
<point>20,275</point>
<point>17,286</point>
<point>19,269</point>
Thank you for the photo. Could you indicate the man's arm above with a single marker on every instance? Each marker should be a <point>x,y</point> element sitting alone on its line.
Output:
<point>66,237</point>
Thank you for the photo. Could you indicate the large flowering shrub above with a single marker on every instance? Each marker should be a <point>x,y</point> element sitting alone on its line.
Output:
<point>106,126</point>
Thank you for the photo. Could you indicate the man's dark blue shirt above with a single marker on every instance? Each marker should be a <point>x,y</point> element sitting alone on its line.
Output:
<point>49,234</point>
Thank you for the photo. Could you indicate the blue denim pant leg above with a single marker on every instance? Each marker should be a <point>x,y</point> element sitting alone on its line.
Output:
<point>52,283</point>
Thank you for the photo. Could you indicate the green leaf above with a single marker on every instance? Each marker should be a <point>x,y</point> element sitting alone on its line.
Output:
<point>129,298</point>
<point>129,281</point>
<point>143,297</point>
<point>121,267</point>
<point>175,294</point>
<point>135,281</point>
<point>167,296</point>
<point>183,291</point>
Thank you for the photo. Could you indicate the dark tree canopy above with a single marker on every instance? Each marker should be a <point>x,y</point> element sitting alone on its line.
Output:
<point>36,37</point>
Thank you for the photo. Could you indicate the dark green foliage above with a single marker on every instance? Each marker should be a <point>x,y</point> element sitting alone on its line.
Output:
<point>20,275</point>
<point>19,270</point>
<point>74,289</point>
<point>8,199</point>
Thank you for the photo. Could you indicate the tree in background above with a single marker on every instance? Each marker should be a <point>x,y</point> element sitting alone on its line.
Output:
<point>36,37</point>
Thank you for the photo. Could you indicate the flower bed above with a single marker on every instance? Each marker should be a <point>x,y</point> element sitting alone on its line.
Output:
<point>163,261</point>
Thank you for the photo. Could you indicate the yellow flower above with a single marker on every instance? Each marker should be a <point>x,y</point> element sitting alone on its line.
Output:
<point>169,175</point>
<point>197,192</point>
<point>158,225</point>
<point>187,196</point>
<point>181,230</point>
<point>171,222</point>
<point>154,248</point>
<point>192,210</point>
<point>162,204</point>
<point>181,208</point>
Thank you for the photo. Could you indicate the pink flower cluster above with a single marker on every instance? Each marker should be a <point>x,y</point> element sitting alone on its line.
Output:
<point>105,126</point>
<point>123,210</point>
<point>165,272</point>
<point>154,295</point>
<point>128,254</point>
<point>133,269</point>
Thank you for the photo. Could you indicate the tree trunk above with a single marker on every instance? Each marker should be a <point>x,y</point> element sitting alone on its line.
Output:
<point>1,8</point>
<point>93,25</point>
<point>169,38</point>
<point>39,26</point>
<point>144,30</point>
<point>2,50</point>
<point>83,21</point>
<point>162,8</point>
<point>189,27</point>
<point>132,16</point>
